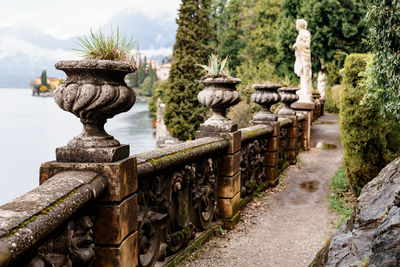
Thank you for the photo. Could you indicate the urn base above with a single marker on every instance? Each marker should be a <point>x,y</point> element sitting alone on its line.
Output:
<point>91,155</point>
<point>218,123</point>
<point>264,117</point>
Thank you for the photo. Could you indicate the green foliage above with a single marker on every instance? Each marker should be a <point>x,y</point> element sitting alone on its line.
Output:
<point>183,113</point>
<point>384,39</point>
<point>332,98</point>
<point>364,131</point>
<point>111,47</point>
<point>230,32</point>
<point>290,11</point>
<point>341,199</point>
<point>259,27</point>
<point>144,79</point>
<point>335,26</point>
<point>43,78</point>
<point>157,92</point>
<point>216,67</point>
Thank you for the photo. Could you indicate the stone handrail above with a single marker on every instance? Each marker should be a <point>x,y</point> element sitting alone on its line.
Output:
<point>160,159</point>
<point>47,224</point>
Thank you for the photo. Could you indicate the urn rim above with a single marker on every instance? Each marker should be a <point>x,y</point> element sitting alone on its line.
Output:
<point>220,80</point>
<point>266,85</point>
<point>91,64</point>
<point>288,89</point>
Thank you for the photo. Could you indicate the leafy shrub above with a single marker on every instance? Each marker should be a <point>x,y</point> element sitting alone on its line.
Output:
<point>332,98</point>
<point>364,131</point>
<point>384,38</point>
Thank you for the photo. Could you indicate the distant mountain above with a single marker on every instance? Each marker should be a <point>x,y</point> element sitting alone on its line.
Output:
<point>24,53</point>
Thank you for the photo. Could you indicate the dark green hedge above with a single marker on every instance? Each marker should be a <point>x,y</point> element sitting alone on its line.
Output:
<point>364,132</point>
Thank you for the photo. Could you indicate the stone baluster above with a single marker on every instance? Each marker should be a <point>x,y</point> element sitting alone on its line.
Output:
<point>219,94</point>
<point>95,91</point>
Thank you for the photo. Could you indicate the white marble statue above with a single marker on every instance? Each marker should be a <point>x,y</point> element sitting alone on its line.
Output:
<point>321,83</point>
<point>302,66</point>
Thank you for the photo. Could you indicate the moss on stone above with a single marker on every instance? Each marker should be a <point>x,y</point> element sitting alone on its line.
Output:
<point>42,212</point>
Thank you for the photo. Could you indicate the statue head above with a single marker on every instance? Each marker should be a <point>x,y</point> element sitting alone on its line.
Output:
<point>301,24</point>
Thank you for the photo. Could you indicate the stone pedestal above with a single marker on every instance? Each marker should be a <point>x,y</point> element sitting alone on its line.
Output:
<point>308,110</point>
<point>219,94</point>
<point>116,219</point>
<point>229,178</point>
<point>272,156</point>
<point>292,141</point>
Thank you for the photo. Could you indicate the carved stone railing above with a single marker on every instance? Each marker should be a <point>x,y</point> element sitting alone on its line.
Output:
<point>52,225</point>
<point>255,142</point>
<point>177,195</point>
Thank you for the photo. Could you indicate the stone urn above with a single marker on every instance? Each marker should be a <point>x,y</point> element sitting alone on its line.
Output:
<point>288,96</point>
<point>94,91</point>
<point>266,95</point>
<point>219,94</point>
<point>316,97</point>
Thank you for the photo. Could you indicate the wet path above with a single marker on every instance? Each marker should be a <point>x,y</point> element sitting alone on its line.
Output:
<point>291,223</point>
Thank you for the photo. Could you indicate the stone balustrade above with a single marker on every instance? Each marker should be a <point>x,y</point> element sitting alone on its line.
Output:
<point>147,208</point>
<point>52,225</point>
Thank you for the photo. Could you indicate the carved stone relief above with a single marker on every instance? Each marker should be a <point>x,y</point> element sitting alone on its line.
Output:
<point>173,206</point>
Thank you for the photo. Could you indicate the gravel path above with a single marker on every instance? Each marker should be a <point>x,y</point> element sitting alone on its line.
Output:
<point>290,223</point>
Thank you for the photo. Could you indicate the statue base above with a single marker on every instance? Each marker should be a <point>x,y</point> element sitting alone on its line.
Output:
<point>92,155</point>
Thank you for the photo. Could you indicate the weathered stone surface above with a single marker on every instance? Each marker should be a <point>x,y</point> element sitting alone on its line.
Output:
<point>228,207</point>
<point>234,139</point>
<point>219,94</point>
<point>271,159</point>
<point>115,222</point>
<point>302,106</point>
<point>228,187</point>
<point>266,95</point>
<point>36,217</point>
<point>121,256</point>
<point>273,144</point>
<point>288,96</point>
<point>372,235</point>
<point>94,91</point>
<point>102,154</point>
<point>230,164</point>
<point>36,200</point>
<point>121,175</point>
<point>256,131</point>
<point>160,159</point>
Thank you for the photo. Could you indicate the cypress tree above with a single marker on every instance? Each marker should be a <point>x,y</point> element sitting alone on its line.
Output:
<point>290,11</point>
<point>183,112</point>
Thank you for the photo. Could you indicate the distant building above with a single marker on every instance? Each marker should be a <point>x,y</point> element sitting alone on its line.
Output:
<point>52,82</point>
<point>163,71</point>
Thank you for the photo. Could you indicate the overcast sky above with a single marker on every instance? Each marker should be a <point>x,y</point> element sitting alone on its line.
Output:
<point>67,18</point>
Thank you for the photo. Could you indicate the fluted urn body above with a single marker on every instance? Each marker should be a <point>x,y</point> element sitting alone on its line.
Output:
<point>288,96</point>
<point>219,94</point>
<point>94,91</point>
<point>266,95</point>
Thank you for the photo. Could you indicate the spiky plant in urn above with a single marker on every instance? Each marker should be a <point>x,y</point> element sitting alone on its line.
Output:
<point>219,94</point>
<point>288,96</point>
<point>266,95</point>
<point>95,91</point>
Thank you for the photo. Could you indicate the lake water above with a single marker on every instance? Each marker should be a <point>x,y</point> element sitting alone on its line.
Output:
<point>32,127</point>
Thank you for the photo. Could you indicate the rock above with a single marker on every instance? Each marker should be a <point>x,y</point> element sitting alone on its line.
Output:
<point>372,235</point>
